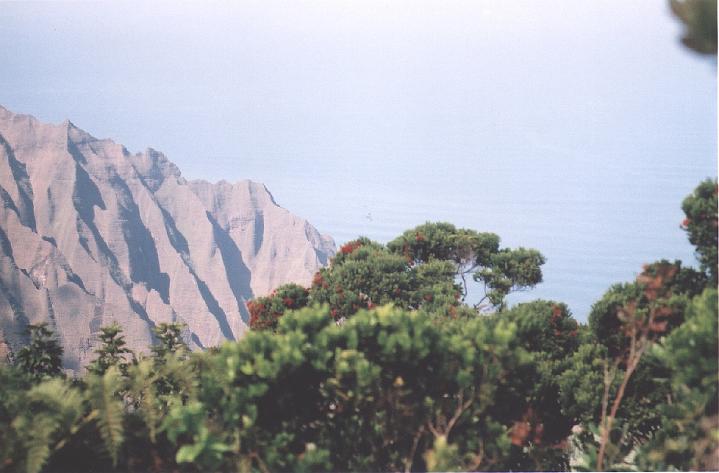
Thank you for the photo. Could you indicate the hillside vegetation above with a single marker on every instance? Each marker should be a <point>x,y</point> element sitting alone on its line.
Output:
<point>380,365</point>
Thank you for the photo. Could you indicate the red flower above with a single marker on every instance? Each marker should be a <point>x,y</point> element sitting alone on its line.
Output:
<point>350,247</point>
<point>659,327</point>
<point>519,432</point>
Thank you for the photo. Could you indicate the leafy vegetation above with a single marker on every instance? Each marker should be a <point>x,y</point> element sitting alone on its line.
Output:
<point>380,365</point>
<point>472,253</point>
<point>42,356</point>
<point>425,268</point>
<point>699,18</point>
<point>327,380</point>
<point>266,311</point>
<point>701,223</point>
<point>112,351</point>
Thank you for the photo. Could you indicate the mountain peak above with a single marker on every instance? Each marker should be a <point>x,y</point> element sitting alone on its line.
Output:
<point>97,235</point>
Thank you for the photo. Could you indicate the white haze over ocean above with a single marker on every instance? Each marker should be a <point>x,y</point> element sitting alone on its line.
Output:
<point>572,127</point>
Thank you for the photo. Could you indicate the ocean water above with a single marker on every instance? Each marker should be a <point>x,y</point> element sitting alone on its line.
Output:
<point>596,221</point>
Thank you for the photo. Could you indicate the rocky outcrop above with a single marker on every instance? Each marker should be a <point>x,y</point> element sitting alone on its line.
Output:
<point>91,234</point>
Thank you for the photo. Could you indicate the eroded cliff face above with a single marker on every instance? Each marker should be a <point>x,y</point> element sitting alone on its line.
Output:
<point>91,234</point>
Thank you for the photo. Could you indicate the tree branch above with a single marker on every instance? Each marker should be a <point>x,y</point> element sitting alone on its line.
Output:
<point>410,459</point>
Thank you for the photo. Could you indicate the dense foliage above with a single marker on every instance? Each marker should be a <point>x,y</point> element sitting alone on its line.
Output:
<point>380,366</point>
<point>112,351</point>
<point>701,224</point>
<point>687,436</point>
<point>424,268</point>
<point>266,311</point>
<point>42,356</point>
<point>365,274</point>
<point>699,18</point>
<point>501,270</point>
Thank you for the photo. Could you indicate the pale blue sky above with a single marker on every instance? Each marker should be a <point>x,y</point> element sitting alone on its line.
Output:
<point>575,127</point>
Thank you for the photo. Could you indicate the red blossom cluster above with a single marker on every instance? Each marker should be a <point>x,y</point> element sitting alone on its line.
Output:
<point>657,291</point>
<point>656,285</point>
<point>319,281</point>
<point>348,248</point>
<point>407,255</point>
<point>255,307</point>
<point>527,429</point>
<point>555,322</point>
<point>266,311</point>
<point>260,316</point>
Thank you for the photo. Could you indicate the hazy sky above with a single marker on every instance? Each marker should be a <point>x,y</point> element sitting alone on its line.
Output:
<point>326,82</point>
<point>372,116</point>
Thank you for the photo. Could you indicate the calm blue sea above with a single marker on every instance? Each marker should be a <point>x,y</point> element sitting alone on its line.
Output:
<point>597,221</point>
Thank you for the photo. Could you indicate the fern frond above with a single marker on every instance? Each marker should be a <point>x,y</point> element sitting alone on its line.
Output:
<point>54,409</point>
<point>37,442</point>
<point>103,396</point>
<point>179,371</point>
<point>58,397</point>
<point>142,383</point>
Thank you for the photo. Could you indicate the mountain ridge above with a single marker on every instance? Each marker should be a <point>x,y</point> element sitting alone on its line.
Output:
<point>92,234</point>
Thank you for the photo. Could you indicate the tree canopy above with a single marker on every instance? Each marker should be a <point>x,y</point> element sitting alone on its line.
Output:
<point>501,270</point>
<point>425,268</point>
<point>380,366</point>
<point>699,18</point>
<point>701,225</point>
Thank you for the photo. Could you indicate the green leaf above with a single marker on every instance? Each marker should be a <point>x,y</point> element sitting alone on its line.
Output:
<point>103,394</point>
